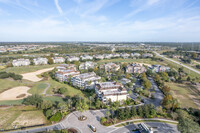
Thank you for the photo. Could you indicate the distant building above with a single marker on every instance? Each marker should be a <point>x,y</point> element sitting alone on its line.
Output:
<point>111,90</point>
<point>86,57</point>
<point>116,55</point>
<point>99,57</point>
<point>65,75</point>
<point>159,68</point>
<point>86,65</point>
<point>73,58</point>
<point>108,56</point>
<point>135,54</point>
<point>63,67</point>
<point>147,55</point>
<point>58,59</point>
<point>124,55</point>
<point>85,80</point>
<point>110,67</point>
<point>135,68</point>
<point>21,62</point>
<point>40,61</point>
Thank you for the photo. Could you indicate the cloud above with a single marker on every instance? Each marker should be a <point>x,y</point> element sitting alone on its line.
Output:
<point>58,7</point>
<point>151,2</point>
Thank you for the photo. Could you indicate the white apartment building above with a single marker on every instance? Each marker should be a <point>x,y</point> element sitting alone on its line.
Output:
<point>100,57</point>
<point>124,81</point>
<point>58,59</point>
<point>85,80</point>
<point>40,61</point>
<point>21,62</point>
<point>86,65</point>
<point>111,90</point>
<point>64,75</point>
<point>124,55</point>
<point>135,54</point>
<point>73,58</point>
<point>110,67</point>
<point>63,67</point>
<point>147,55</point>
<point>86,57</point>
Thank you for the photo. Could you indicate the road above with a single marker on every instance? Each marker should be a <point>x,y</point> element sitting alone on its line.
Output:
<point>190,68</point>
<point>93,118</point>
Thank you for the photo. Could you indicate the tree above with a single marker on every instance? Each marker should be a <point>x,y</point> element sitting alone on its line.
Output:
<point>81,106</point>
<point>69,103</point>
<point>166,89</point>
<point>188,78</point>
<point>98,104</point>
<point>33,100</point>
<point>165,76</point>
<point>128,76</point>
<point>50,60</point>
<point>127,113</point>
<point>180,70</point>
<point>146,111</point>
<point>62,90</point>
<point>186,123</point>
<point>108,114</point>
<point>46,105</point>
<point>146,83</point>
<point>48,113</point>
<point>140,111</point>
<point>194,55</point>
<point>152,110</point>
<point>133,111</point>
<point>120,114</point>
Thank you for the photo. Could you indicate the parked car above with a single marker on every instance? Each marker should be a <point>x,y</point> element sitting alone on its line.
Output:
<point>93,128</point>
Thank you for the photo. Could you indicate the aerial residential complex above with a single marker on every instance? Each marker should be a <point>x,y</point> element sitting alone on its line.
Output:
<point>110,67</point>
<point>111,90</point>
<point>135,68</point>
<point>86,65</point>
<point>85,80</point>
<point>21,62</point>
<point>58,59</point>
<point>40,61</point>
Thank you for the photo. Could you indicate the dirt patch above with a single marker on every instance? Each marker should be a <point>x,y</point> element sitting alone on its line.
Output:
<point>30,118</point>
<point>12,94</point>
<point>32,76</point>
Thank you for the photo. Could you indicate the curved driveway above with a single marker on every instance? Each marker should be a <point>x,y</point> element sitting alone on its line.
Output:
<point>93,118</point>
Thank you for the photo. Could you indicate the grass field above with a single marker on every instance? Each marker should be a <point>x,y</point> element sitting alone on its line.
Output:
<point>121,60</point>
<point>38,88</point>
<point>26,69</point>
<point>20,116</point>
<point>183,93</point>
<point>8,83</point>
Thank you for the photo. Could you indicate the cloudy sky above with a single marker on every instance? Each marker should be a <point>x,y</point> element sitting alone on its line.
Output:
<point>100,20</point>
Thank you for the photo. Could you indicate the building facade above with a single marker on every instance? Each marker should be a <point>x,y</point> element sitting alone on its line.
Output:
<point>40,61</point>
<point>111,91</point>
<point>21,62</point>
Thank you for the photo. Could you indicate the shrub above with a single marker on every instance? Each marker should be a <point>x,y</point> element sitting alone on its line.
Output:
<point>103,120</point>
<point>33,100</point>
<point>57,117</point>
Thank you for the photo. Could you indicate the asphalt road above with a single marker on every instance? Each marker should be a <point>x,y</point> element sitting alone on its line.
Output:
<point>157,128</point>
<point>190,68</point>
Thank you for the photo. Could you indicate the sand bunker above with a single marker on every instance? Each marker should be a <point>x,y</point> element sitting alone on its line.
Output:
<point>32,76</point>
<point>12,94</point>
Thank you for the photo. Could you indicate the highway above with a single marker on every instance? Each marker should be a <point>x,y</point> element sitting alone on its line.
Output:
<point>190,68</point>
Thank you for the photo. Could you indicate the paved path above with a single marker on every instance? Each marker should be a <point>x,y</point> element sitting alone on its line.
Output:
<point>190,68</point>
<point>45,91</point>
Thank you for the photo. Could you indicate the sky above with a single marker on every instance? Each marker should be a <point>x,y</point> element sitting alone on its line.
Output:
<point>100,20</point>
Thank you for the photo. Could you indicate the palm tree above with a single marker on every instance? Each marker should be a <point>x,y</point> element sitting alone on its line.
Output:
<point>69,103</point>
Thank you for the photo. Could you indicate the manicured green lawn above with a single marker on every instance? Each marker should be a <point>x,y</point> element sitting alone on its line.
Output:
<point>183,94</point>
<point>11,102</point>
<point>38,88</point>
<point>8,84</point>
<point>26,69</point>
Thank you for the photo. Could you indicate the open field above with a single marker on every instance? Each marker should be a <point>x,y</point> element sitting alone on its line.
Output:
<point>14,93</point>
<point>32,76</point>
<point>186,97</point>
<point>20,116</point>
<point>121,60</point>
<point>27,69</point>
<point>6,84</point>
